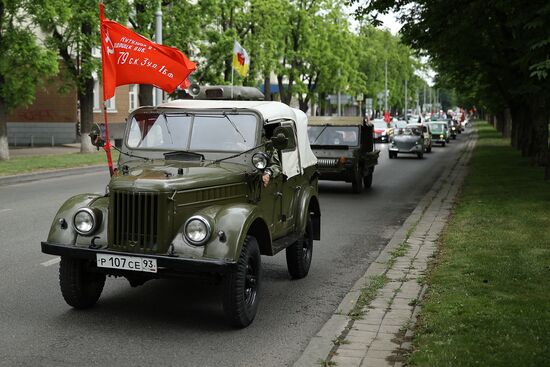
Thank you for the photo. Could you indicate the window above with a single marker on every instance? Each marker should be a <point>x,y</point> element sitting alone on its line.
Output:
<point>98,97</point>
<point>133,101</point>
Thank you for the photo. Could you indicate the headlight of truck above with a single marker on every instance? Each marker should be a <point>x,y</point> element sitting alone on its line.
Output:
<point>440,136</point>
<point>86,220</point>
<point>197,230</point>
<point>260,160</point>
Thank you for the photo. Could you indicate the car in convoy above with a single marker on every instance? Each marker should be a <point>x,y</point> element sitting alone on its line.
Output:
<point>189,198</point>
<point>409,140</point>
<point>382,131</point>
<point>426,133</point>
<point>344,149</point>
<point>440,132</point>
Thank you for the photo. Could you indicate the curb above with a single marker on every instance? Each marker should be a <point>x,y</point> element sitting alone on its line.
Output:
<point>419,237</point>
<point>16,179</point>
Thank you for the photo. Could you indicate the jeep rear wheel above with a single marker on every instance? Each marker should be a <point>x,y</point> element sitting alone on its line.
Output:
<point>367,180</point>
<point>299,254</point>
<point>80,287</point>
<point>241,287</point>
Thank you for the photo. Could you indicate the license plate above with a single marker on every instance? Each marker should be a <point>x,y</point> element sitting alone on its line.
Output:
<point>133,263</point>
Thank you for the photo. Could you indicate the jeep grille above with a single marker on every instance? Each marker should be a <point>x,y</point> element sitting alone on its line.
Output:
<point>135,220</point>
<point>327,162</point>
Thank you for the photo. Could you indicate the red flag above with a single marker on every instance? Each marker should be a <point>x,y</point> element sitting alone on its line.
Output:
<point>128,58</point>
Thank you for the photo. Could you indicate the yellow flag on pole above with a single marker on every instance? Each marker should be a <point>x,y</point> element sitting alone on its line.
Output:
<point>241,60</point>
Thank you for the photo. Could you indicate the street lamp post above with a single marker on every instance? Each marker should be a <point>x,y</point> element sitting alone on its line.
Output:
<point>386,86</point>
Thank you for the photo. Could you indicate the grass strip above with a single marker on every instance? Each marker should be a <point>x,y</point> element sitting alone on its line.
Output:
<point>488,301</point>
<point>33,164</point>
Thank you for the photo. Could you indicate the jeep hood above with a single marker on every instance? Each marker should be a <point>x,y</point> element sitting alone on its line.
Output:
<point>173,175</point>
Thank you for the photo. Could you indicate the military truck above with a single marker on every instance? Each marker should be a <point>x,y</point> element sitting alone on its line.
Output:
<point>344,147</point>
<point>188,197</point>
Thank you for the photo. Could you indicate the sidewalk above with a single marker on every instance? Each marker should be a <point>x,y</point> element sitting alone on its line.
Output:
<point>373,324</point>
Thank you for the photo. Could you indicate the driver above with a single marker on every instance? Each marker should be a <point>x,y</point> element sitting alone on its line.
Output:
<point>274,168</point>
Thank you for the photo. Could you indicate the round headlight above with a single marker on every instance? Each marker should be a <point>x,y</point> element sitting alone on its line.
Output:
<point>85,221</point>
<point>197,230</point>
<point>441,136</point>
<point>259,160</point>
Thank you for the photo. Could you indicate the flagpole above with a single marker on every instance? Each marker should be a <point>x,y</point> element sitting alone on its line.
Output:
<point>232,72</point>
<point>107,146</point>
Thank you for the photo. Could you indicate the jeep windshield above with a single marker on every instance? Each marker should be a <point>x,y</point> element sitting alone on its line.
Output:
<point>333,135</point>
<point>192,132</point>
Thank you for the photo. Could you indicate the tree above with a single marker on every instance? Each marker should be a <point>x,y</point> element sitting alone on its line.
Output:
<point>176,33</point>
<point>24,63</point>
<point>496,50</point>
<point>73,30</point>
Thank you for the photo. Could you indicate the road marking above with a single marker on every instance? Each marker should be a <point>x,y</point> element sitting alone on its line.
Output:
<point>51,262</point>
<point>5,210</point>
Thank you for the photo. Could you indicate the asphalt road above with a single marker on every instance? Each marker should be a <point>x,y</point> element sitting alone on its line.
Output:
<point>180,323</point>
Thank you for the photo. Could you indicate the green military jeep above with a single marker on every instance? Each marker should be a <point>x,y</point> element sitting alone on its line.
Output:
<point>344,147</point>
<point>188,197</point>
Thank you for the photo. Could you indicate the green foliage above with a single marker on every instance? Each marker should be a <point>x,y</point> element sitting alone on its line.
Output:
<point>24,63</point>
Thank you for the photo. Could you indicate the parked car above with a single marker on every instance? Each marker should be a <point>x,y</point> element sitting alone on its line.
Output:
<point>189,198</point>
<point>344,147</point>
<point>440,132</point>
<point>382,131</point>
<point>427,136</point>
<point>409,140</point>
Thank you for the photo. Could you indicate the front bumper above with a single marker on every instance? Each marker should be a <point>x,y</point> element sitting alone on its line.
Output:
<point>164,263</point>
<point>415,149</point>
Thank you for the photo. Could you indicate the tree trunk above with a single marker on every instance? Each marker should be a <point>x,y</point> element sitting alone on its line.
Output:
<point>303,102</point>
<point>267,87</point>
<point>499,122</point>
<point>145,95</point>
<point>86,100</point>
<point>539,117</point>
<point>507,128</point>
<point>4,148</point>
<point>517,125</point>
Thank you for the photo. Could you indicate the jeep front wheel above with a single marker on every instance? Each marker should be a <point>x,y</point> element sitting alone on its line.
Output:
<point>298,255</point>
<point>80,287</point>
<point>241,287</point>
<point>357,182</point>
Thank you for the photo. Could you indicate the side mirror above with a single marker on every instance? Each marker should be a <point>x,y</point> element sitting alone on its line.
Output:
<point>97,135</point>
<point>283,138</point>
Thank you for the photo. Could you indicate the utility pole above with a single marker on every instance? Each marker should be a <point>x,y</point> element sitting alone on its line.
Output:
<point>386,86</point>
<point>338,97</point>
<point>424,100</point>
<point>406,104</point>
<point>158,40</point>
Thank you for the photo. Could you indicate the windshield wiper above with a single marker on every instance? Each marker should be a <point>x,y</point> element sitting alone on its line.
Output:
<point>322,131</point>
<point>234,126</point>
<point>236,155</point>
<point>129,154</point>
